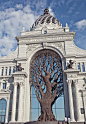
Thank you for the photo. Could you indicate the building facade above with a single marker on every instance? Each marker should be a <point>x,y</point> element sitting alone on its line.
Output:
<point>15,86</point>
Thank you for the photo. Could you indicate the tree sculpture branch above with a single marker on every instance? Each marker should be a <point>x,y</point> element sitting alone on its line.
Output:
<point>46,75</point>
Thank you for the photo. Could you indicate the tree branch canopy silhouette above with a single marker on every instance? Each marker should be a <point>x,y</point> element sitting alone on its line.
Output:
<point>47,78</point>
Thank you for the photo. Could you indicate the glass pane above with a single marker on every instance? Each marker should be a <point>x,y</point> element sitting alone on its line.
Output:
<point>3,112</point>
<point>4,106</point>
<point>2,109</point>
<point>53,106</point>
<point>60,114</point>
<point>34,103</point>
<point>0,112</point>
<point>39,112</point>
<point>34,114</point>
<point>0,106</point>
<point>60,102</point>
<point>39,105</point>
<point>0,118</point>
<point>33,91</point>
<point>3,119</point>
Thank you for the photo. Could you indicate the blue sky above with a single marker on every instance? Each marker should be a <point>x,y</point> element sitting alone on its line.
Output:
<point>16,14</point>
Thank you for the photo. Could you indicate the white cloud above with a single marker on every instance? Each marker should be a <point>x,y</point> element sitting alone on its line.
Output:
<point>19,6</point>
<point>50,11</point>
<point>11,24</point>
<point>81,24</point>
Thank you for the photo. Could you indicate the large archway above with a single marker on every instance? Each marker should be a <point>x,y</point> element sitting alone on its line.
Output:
<point>46,76</point>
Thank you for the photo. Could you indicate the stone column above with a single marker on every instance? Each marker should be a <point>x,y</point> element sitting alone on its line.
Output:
<point>0,71</point>
<point>20,102</point>
<point>71,101</point>
<point>85,66</point>
<point>7,70</point>
<point>84,100</point>
<point>7,110</point>
<point>77,101</point>
<point>14,102</point>
<point>11,69</point>
<point>81,66</point>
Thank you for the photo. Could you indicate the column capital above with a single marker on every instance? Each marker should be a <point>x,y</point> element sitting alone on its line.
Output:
<point>15,83</point>
<point>75,81</point>
<point>21,83</point>
<point>69,81</point>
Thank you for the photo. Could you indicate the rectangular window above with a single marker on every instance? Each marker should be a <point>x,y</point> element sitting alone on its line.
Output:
<point>83,67</point>
<point>10,71</point>
<point>14,70</point>
<point>79,67</point>
<point>6,71</point>
<point>82,110</point>
<point>4,85</point>
<point>2,71</point>
<point>45,32</point>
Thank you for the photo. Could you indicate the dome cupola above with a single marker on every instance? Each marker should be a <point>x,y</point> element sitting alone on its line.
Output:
<point>45,20</point>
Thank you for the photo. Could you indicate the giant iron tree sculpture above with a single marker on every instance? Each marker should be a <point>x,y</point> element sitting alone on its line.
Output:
<point>46,76</point>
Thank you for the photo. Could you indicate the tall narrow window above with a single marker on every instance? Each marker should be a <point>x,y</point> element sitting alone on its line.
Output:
<point>6,71</point>
<point>79,67</point>
<point>35,105</point>
<point>14,69</point>
<point>83,67</point>
<point>3,105</point>
<point>10,71</point>
<point>2,71</point>
<point>4,85</point>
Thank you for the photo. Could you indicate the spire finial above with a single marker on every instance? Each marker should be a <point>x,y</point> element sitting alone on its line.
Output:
<point>46,11</point>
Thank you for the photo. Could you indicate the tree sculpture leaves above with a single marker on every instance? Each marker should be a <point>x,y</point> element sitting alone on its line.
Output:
<point>46,76</point>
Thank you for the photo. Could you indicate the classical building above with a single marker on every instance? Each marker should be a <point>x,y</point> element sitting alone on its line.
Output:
<point>15,86</point>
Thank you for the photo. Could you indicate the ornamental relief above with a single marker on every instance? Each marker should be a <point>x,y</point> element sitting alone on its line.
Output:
<point>19,78</point>
<point>53,38</point>
<point>71,76</point>
<point>57,45</point>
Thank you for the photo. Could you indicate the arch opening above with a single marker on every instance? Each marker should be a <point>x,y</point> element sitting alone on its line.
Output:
<point>46,76</point>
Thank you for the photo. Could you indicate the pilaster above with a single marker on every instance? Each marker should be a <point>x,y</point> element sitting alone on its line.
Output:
<point>14,102</point>
<point>20,110</point>
<point>71,101</point>
<point>77,101</point>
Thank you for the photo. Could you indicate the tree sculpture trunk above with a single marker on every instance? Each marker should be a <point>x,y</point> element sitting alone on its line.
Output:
<point>46,75</point>
<point>46,111</point>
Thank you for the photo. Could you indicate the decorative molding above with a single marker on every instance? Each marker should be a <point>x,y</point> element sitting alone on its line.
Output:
<point>21,83</point>
<point>72,75</point>
<point>15,83</point>
<point>69,81</point>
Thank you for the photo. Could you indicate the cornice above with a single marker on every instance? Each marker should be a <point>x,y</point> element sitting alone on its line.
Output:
<point>13,60</point>
<point>21,59</point>
<point>45,35</point>
<point>71,71</point>
<point>19,73</point>
<point>6,60</point>
<point>48,39</point>
<point>75,56</point>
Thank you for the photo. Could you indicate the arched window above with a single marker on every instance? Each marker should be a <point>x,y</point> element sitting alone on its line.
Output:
<point>47,96</point>
<point>3,105</point>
